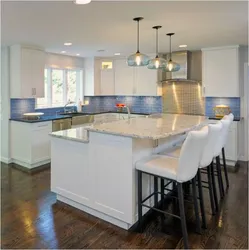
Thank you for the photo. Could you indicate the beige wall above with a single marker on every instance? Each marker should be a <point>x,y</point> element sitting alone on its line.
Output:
<point>183,98</point>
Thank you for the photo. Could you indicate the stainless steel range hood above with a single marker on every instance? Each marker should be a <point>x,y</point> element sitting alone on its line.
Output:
<point>191,67</point>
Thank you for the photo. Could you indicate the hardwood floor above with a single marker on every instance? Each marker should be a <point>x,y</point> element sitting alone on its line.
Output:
<point>31,218</point>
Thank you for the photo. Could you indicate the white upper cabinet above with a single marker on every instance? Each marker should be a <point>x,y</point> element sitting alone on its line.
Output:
<point>26,72</point>
<point>220,71</point>
<point>107,82</point>
<point>124,78</point>
<point>145,82</point>
<point>115,77</point>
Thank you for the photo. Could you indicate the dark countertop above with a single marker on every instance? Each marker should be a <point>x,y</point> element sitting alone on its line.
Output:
<point>236,119</point>
<point>46,118</point>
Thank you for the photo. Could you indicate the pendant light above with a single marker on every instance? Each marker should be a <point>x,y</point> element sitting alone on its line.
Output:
<point>157,62</point>
<point>138,59</point>
<point>171,66</point>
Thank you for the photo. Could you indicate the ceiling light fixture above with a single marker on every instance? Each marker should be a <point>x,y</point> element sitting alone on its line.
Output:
<point>63,51</point>
<point>183,46</point>
<point>138,59</point>
<point>77,54</point>
<point>117,54</point>
<point>157,62</point>
<point>67,44</point>
<point>82,1</point>
<point>171,66</point>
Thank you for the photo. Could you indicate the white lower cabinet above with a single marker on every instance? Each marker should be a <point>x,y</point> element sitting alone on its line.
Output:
<point>30,143</point>
<point>231,148</point>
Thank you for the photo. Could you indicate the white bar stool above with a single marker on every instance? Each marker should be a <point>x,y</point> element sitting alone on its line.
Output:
<point>178,170</point>
<point>229,117</point>
<point>214,131</point>
<point>218,149</point>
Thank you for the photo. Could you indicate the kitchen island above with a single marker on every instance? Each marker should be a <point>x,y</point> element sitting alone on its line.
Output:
<point>93,167</point>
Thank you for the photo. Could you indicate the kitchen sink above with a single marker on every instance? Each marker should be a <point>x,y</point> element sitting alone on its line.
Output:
<point>72,113</point>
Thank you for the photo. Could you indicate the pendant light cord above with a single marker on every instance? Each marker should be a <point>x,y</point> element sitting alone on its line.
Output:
<point>156,42</point>
<point>170,47</point>
<point>138,36</point>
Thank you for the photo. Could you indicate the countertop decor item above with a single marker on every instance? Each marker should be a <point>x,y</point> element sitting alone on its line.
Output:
<point>157,62</point>
<point>32,116</point>
<point>171,66</point>
<point>221,110</point>
<point>138,59</point>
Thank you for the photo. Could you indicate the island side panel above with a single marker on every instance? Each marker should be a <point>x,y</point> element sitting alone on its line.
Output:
<point>70,170</point>
<point>110,158</point>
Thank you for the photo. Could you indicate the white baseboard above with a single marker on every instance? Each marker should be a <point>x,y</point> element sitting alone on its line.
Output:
<point>6,160</point>
<point>95,213</point>
<point>30,166</point>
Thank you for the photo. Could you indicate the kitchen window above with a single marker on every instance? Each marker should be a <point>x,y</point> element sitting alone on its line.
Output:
<point>61,86</point>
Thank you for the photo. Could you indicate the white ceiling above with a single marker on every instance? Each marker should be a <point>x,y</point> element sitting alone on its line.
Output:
<point>109,25</point>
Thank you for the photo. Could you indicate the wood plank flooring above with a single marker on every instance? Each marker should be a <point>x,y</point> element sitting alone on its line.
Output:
<point>31,218</point>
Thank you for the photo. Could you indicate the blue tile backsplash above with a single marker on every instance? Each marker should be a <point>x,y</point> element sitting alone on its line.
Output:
<point>137,104</point>
<point>19,106</point>
<point>232,102</point>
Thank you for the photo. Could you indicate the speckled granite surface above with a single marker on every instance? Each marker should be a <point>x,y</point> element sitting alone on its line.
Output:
<point>153,127</point>
<point>74,134</point>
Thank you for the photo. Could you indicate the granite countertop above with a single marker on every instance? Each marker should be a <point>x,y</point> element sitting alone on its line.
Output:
<point>153,127</point>
<point>45,118</point>
<point>75,134</point>
<point>236,119</point>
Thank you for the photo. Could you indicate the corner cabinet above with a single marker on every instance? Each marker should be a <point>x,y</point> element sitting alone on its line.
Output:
<point>30,148</point>
<point>26,72</point>
<point>220,71</point>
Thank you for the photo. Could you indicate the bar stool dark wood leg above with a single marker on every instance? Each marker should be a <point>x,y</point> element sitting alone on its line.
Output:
<point>195,199</point>
<point>220,181</point>
<point>211,194</point>
<point>225,166</point>
<point>162,200</point>
<point>204,223</point>
<point>214,186</point>
<point>156,191</point>
<point>182,215</point>
<point>140,211</point>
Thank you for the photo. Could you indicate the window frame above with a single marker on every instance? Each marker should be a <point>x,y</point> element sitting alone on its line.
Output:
<point>79,86</point>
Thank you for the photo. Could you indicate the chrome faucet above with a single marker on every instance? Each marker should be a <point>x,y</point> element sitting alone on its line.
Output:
<point>128,111</point>
<point>69,102</point>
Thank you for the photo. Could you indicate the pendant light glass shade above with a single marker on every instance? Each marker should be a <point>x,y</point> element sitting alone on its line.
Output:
<point>157,62</point>
<point>138,59</point>
<point>171,66</point>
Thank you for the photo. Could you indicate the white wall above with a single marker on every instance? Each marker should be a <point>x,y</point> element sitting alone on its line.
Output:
<point>63,61</point>
<point>5,105</point>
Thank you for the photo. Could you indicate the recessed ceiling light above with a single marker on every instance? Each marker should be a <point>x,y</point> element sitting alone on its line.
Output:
<point>77,54</point>
<point>63,51</point>
<point>117,54</point>
<point>100,50</point>
<point>183,46</point>
<point>82,1</point>
<point>68,44</point>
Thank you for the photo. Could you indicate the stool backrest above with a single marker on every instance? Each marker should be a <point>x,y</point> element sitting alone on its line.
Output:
<point>221,140</point>
<point>214,131</point>
<point>190,155</point>
<point>229,117</point>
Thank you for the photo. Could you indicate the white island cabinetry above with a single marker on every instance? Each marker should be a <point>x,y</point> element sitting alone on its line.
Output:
<point>93,167</point>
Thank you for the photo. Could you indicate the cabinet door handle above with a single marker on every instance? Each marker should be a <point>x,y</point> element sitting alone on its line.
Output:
<point>204,90</point>
<point>42,125</point>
